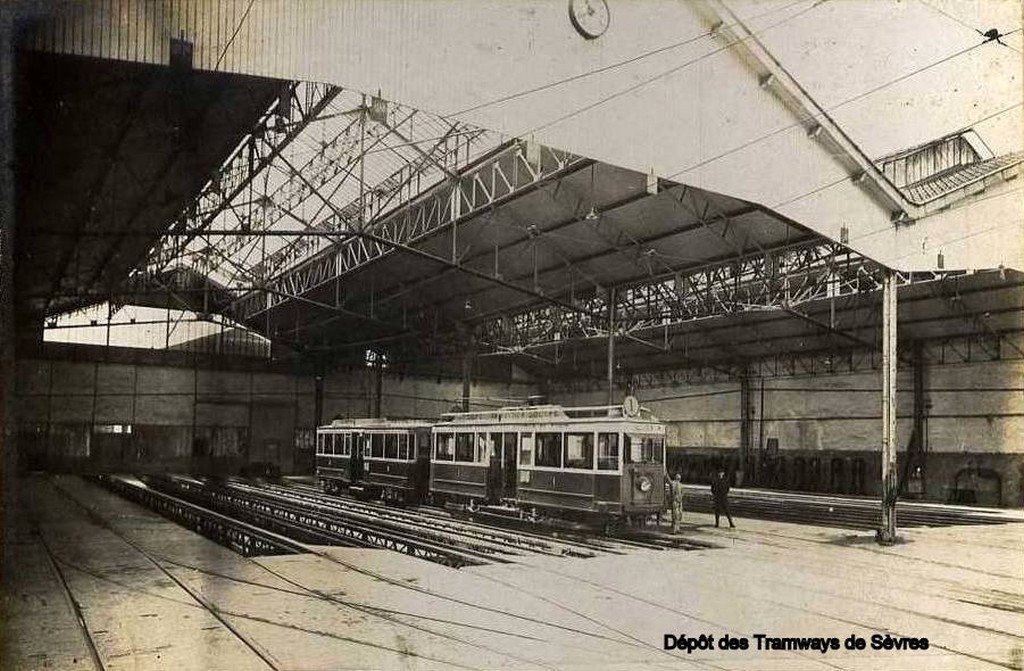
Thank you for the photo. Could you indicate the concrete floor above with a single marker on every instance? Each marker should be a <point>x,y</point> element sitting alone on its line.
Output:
<point>192,604</point>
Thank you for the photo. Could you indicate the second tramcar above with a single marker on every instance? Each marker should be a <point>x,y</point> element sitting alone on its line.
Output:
<point>378,458</point>
<point>607,460</point>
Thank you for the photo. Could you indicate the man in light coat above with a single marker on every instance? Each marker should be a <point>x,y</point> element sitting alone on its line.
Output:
<point>676,490</point>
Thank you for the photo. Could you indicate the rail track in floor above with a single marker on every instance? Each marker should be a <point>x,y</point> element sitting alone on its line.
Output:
<point>257,518</point>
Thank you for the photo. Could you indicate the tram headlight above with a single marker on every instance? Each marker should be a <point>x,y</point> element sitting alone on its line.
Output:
<point>644,484</point>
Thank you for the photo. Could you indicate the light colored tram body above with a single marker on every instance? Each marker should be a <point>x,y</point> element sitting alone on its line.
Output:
<point>604,460</point>
<point>378,457</point>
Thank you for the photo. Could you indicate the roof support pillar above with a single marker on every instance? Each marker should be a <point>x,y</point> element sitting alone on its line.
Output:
<point>8,455</point>
<point>611,347</point>
<point>467,378</point>
<point>378,386</point>
<point>746,422</point>
<point>890,479</point>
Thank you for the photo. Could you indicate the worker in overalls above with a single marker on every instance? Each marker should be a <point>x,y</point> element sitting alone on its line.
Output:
<point>677,502</point>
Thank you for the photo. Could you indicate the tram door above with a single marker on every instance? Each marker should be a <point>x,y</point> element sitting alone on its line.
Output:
<point>495,477</point>
<point>355,462</point>
<point>508,464</point>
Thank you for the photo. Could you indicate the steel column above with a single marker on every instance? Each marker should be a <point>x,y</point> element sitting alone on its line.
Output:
<point>611,346</point>
<point>8,460</point>
<point>746,419</point>
<point>890,479</point>
<point>467,367</point>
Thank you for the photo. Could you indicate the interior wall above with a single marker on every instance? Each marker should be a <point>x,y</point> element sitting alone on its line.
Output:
<point>973,426</point>
<point>71,414</point>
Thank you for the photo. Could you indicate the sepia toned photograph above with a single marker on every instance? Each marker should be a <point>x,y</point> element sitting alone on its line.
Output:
<point>569,335</point>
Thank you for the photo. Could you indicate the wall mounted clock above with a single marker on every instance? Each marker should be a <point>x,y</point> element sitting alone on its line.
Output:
<point>590,18</point>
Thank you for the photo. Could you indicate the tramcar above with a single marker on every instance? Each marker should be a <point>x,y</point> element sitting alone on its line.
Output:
<point>378,458</point>
<point>605,460</point>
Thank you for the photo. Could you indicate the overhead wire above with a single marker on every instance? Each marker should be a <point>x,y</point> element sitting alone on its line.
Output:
<point>666,73</point>
<point>963,23</point>
<point>838,105</point>
<point>608,68</point>
<point>231,39</point>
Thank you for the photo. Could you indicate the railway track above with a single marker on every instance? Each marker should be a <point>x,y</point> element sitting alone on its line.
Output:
<point>253,518</point>
<point>575,539</point>
<point>836,511</point>
<point>443,525</point>
<point>310,525</point>
<point>234,530</point>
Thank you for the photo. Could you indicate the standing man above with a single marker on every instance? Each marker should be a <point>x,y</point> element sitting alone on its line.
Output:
<point>677,502</point>
<point>720,493</point>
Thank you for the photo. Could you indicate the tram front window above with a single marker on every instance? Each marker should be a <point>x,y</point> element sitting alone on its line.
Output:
<point>644,448</point>
<point>607,451</point>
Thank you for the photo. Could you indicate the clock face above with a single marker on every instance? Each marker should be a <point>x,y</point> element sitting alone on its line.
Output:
<point>590,18</point>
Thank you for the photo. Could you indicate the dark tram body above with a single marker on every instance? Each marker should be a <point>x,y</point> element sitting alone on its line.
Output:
<point>376,457</point>
<point>606,461</point>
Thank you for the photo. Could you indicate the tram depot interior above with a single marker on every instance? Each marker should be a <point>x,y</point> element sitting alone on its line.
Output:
<point>373,335</point>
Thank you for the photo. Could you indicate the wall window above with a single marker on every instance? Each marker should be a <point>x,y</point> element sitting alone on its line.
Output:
<point>377,446</point>
<point>391,446</point>
<point>464,447</point>
<point>579,450</point>
<point>112,428</point>
<point>607,451</point>
<point>444,447</point>
<point>526,450</point>
<point>549,450</point>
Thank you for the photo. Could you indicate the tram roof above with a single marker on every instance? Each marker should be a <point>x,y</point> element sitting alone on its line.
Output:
<point>546,413</point>
<point>379,423</point>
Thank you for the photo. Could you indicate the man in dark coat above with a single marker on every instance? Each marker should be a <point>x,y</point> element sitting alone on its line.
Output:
<point>720,494</point>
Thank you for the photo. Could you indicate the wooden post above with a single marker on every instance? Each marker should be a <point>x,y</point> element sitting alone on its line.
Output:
<point>890,480</point>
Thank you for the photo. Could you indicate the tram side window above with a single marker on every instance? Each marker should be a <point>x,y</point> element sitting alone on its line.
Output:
<point>403,446</point>
<point>346,448</point>
<point>607,451</point>
<point>464,446</point>
<point>480,454</point>
<point>643,449</point>
<point>331,445</point>
<point>391,446</point>
<point>320,443</point>
<point>579,450</point>
<point>377,445</point>
<point>443,450</point>
<point>526,450</point>
<point>549,449</point>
